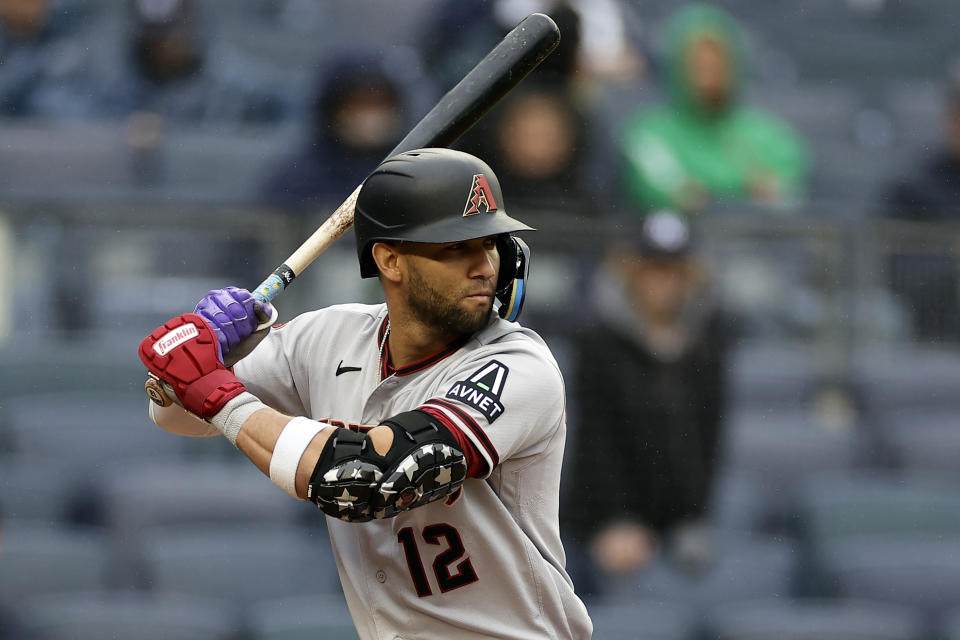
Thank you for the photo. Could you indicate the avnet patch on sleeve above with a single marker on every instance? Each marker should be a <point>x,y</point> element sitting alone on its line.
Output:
<point>482,389</point>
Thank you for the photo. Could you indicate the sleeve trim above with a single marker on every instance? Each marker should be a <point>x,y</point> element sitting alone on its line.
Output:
<point>462,421</point>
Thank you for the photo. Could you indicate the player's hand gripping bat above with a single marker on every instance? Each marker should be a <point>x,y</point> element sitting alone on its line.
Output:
<point>519,53</point>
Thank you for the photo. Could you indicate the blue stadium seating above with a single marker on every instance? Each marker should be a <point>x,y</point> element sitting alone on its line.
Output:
<point>36,487</point>
<point>741,567</point>
<point>304,617</point>
<point>840,506</point>
<point>98,615</point>
<point>86,429</point>
<point>786,619</point>
<point>250,563</point>
<point>651,620</point>
<point>921,572</point>
<point>42,559</point>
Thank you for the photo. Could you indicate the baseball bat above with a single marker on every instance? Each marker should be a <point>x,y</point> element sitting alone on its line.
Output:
<point>519,53</point>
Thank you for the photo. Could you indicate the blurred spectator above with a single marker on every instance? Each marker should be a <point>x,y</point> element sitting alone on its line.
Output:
<point>927,281</point>
<point>44,67</point>
<point>178,73</point>
<point>650,391</point>
<point>705,145</point>
<point>358,116</point>
<point>537,139</point>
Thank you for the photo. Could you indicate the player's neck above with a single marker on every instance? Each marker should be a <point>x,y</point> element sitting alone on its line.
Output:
<point>411,341</point>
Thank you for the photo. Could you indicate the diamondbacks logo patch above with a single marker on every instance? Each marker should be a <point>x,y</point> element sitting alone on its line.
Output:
<point>481,195</point>
<point>482,389</point>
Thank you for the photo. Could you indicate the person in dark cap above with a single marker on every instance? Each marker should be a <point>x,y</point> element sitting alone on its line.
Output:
<point>172,71</point>
<point>166,42</point>
<point>358,114</point>
<point>650,377</point>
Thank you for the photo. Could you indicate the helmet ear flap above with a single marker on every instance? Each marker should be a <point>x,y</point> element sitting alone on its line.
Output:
<point>511,281</point>
<point>507,248</point>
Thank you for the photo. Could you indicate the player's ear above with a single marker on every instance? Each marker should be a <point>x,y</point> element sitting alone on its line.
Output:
<point>387,258</point>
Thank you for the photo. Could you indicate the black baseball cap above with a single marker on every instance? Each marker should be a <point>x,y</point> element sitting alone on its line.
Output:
<point>664,234</point>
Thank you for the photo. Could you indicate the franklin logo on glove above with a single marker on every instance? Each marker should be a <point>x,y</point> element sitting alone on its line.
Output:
<point>175,338</point>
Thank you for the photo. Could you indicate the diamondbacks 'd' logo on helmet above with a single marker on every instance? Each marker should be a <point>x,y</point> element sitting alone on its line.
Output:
<point>480,194</point>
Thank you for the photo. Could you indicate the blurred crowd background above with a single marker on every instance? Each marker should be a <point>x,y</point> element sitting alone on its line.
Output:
<point>746,265</point>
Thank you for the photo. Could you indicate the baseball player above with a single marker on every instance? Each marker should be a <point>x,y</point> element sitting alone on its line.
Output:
<point>429,429</point>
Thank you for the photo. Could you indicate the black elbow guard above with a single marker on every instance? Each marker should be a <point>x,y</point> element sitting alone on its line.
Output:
<point>353,482</point>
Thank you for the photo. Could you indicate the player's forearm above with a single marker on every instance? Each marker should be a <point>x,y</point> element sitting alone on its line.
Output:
<point>258,439</point>
<point>258,436</point>
<point>284,448</point>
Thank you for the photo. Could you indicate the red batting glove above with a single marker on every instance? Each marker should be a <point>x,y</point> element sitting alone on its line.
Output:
<point>183,352</point>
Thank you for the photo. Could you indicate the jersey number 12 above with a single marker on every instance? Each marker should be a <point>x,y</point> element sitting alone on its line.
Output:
<point>446,579</point>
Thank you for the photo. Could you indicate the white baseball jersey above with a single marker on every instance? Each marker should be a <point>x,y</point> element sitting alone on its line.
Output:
<point>490,565</point>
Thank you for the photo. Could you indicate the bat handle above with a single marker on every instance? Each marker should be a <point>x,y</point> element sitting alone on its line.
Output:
<point>245,346</point>
<point>268,290</point>
<point>271,287</point>
<point>333,227</point>
<point>269,322</point>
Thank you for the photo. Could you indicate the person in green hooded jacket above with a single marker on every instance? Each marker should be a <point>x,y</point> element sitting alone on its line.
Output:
<point>705,145</point>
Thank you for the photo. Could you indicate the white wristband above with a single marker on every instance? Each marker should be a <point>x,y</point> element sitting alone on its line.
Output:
<point>229,420</point>
<point>291,445</point>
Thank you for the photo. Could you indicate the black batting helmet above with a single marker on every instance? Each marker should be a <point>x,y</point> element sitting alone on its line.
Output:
<point>429,195</point>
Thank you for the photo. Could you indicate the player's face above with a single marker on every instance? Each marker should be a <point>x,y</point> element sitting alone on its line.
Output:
<point>450,286</point>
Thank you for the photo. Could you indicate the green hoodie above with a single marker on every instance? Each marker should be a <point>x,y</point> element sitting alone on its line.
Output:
<point>684,154</point>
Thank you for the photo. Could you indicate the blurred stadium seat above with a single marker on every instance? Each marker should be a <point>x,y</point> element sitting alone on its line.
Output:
<point>926,441</point>
<point>813,620</point>
<point>92,161</point>
<point>651,620</point>
<point>191,494</point>
<point>43,559</point>
<point>99,615</point>
<point>851,176</point>
<point>188,495</point>
<point>921,572</point>
<point>900,377</point>
<point>35,487</point>
<point>770,374</point>
<point>37,366</point>
<point>783,448</point>
<point>247,562</point>
<point>950,627</point>
<point>740,503</point>
<point>741,567</point>
<point>85,429</point>
<point>839,506</point>
<point>322,615</point>
<point>818,112</point>
<point>916,107</point>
